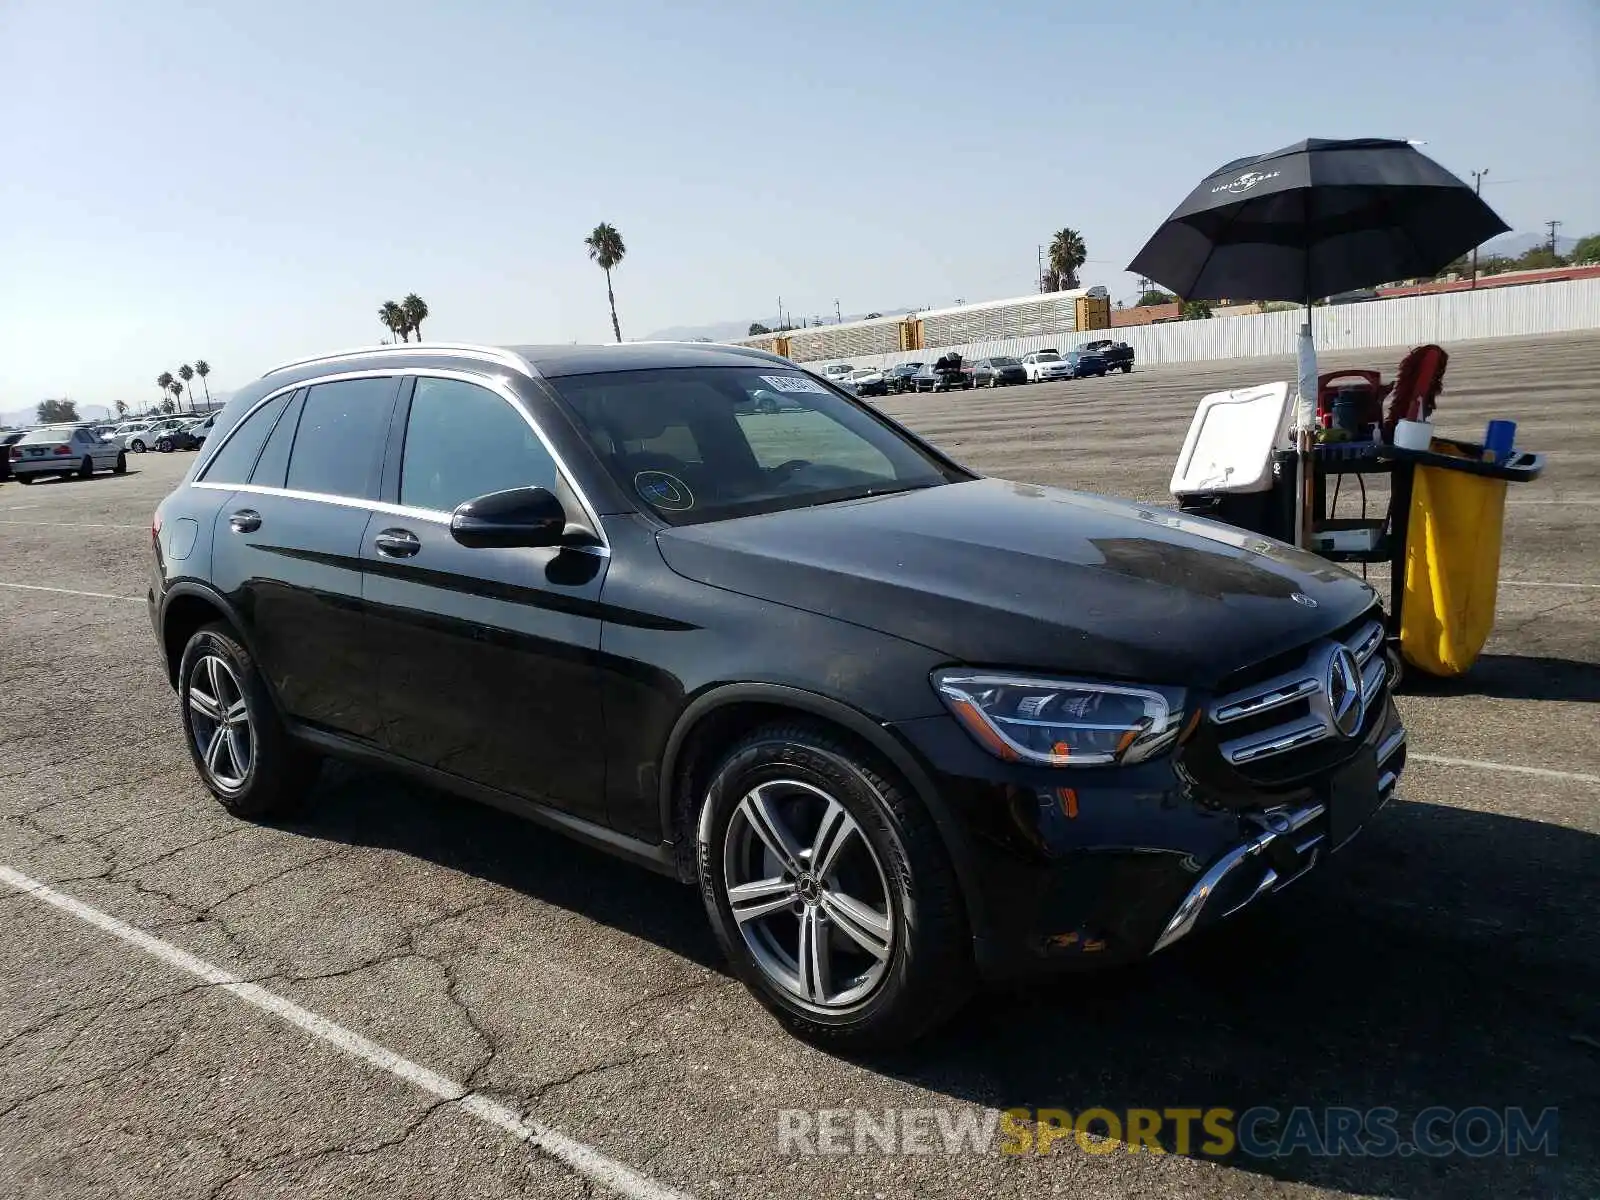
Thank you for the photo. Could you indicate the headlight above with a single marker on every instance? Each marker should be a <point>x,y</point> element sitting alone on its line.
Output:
<point>1060,722</point>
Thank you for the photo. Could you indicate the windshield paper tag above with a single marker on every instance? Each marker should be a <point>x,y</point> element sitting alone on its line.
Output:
<point>793,383</point>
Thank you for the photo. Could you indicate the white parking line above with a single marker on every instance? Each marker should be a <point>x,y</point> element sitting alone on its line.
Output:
<point>1542,583</point>
<point>35,587</point>
<point>70,525</point>
<point>587,1161</point>
<point>1485,765</point>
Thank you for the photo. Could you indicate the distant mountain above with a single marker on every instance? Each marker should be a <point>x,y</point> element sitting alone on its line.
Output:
<point>1514,245</point>
<point>727,331</point>
<point>30,416</point>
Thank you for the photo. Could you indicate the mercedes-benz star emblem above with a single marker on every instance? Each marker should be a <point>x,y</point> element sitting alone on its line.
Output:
<point>1343,684</point>
<point>1302,598</point>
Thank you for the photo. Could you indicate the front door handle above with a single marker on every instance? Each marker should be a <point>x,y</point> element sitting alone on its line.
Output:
<point>246,520</point>
<point>397,543</point>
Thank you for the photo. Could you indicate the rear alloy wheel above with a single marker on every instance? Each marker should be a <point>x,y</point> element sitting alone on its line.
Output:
<point>830,891</point>
<point>235,736</point>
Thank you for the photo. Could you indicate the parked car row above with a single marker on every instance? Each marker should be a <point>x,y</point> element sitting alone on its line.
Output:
<point>165,434</point>
<point>949,372</point>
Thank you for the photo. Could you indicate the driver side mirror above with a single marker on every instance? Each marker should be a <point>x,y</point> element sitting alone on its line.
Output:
<point>527,516</point>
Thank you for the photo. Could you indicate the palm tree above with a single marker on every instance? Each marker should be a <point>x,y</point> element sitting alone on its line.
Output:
<point>164,381</point>
<point>606,248</point>
<point>176,388</point>
<point>416,311</point>
<point>202,368</point>
<point>186,373</point>
<point>392,316</point>
<point>1067,254</point>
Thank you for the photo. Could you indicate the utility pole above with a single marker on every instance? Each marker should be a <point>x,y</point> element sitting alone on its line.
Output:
<point>1477,190</point>
<point>1554,225</point>
<point>1038,273</point>
<point>838,317</point>
<point>780,312</point>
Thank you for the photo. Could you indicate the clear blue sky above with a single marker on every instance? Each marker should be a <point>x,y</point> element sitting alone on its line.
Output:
<point>246,183</point>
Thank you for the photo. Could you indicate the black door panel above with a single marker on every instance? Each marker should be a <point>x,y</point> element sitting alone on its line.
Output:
<point>292,568</point>
<point>485,662</point>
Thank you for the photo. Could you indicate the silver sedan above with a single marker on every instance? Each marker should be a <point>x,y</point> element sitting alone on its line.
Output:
<point>65,450</point>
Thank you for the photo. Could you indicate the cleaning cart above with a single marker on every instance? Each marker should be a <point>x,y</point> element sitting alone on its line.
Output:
<point>1440,534</point>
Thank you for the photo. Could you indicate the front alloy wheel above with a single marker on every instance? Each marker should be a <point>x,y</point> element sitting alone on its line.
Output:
<point>808,893</point>
<point>830,889</point>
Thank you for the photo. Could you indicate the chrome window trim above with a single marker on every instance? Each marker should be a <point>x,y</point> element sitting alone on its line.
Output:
<point>492,383</point>
<point>495,354</point>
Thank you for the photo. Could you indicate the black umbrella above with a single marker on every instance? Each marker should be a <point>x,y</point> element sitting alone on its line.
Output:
<point>1315,219</point>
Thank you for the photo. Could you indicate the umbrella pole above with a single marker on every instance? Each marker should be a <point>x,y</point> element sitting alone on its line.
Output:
<point>1304,443</point>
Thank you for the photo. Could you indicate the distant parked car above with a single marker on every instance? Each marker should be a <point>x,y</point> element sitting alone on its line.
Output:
<point>1001,371</point>
<point>1082,363</point>
<point>191,435</point>
<point>837,372</point>
<point>64,450</point>
<point>898,378</point>
<point>1118,355</point>
<point>140,440</point>
<point>869,381</point>
<point>8,439</point>
<point>932,377</point>
<point>1044,365</point>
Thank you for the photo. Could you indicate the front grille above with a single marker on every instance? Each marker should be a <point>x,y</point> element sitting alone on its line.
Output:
<point>1293,710</point>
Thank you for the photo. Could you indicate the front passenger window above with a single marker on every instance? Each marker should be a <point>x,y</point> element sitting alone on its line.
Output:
<point>464,441</point>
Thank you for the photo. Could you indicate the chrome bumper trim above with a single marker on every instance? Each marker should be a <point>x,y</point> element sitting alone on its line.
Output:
<point>1187,914</point>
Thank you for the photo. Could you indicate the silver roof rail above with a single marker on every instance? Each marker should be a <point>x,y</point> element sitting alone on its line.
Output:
<point>496,354</point>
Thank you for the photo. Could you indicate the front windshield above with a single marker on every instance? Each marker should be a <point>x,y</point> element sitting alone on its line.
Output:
<point>707,443</point>
<point>1047,356</point>
<point>1005,362</point>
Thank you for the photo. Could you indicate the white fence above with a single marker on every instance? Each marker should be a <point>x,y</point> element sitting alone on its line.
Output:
<point>1407,321</point>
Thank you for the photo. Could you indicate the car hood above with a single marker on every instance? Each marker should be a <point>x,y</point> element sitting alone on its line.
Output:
<point>1008,574</point>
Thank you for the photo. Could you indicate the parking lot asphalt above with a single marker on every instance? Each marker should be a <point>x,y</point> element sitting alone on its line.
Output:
<point>1450,957</point>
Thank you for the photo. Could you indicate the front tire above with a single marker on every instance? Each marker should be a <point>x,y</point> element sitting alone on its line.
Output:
<point>137,446</point>
<point>849,925</point>
<point>233,730</point>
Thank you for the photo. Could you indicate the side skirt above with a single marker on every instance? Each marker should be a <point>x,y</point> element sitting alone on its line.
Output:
<point>659,858</point>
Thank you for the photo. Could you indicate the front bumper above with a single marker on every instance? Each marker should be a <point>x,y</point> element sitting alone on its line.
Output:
<point>1098,866</point>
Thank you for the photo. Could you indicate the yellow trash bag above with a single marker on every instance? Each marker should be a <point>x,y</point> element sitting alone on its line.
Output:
<point>1452,569</point>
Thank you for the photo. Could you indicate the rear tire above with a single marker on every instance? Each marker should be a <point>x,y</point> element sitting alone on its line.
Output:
<point>86,467</point>
<point>234,733</point>
<point>25,480</point>
<point>883,909</point>
<point>122,463</point>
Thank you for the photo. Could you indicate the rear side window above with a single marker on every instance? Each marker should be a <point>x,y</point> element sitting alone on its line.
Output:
<point>237,457</point>
<point>273,464</point>
<point>342,429</point>
<point>464,441</point>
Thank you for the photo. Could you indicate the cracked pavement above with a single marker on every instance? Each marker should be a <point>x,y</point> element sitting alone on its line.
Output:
<point>1449,958</point>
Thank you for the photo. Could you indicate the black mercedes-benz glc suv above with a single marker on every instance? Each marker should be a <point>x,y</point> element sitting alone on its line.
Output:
<point>904,726</point>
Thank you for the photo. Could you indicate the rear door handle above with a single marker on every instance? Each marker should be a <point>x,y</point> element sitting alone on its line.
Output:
<point>397,543</point>
<point>246,520</point>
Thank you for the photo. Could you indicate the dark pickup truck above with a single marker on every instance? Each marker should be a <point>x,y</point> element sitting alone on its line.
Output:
<point>1118,355</point>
